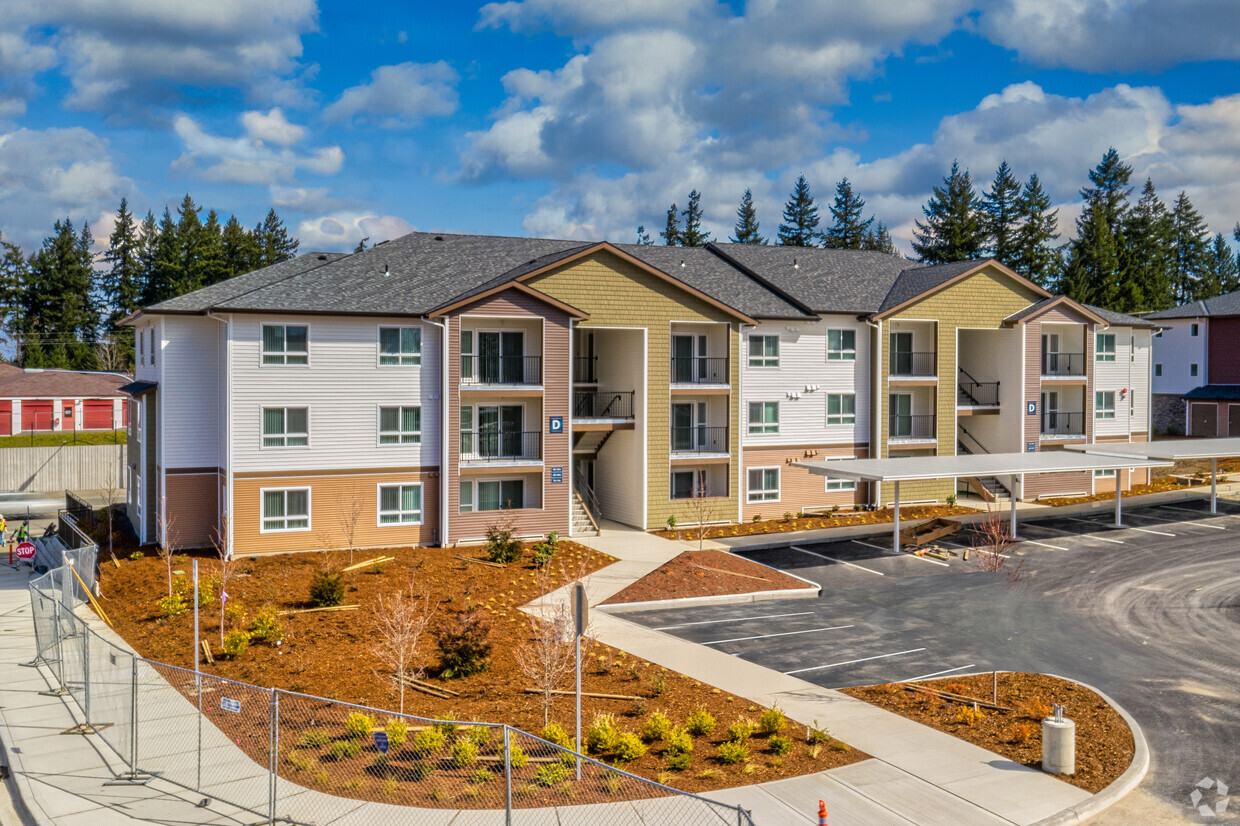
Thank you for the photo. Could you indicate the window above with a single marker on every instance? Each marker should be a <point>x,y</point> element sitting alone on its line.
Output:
<point>400,425</point>
<point>141,347</point>
<point>400,504</point>
<point>286,427</point>
<point>841,345</point>
<point>283,344</point>
<point>400,346</point>
<point>1105,474</point>
<point>286,510</point>
<point>764,351</point>
<point>1157,369</point>
<point>763,417</point>
<point>1193,330</point>
<point>688,484</point>
<point>764,484</point>
<point>1105,349</point>
<point>501,495</point>
<point>152,346</point>
<point>841,408</point>
<point>1104,404</point>
<point>834,483</point>
<point>1192,369</point>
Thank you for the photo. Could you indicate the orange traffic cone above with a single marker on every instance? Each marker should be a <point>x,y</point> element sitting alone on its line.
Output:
<point>822,813</point>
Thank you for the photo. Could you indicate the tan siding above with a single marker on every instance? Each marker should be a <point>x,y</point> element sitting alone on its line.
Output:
<point>798,488</point>
<point>1047,484</point>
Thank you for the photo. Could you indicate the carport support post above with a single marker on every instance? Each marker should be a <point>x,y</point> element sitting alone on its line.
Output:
<point>1119,522</point>
<point>1214,486</point>
<point>895,540</point>
<point>1013,492</point>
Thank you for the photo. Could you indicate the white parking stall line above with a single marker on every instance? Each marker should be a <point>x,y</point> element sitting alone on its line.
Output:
<point>1070,533</point>
<point>869,545</point>
<point>780,634</point>
<point>1187,523</point>
<point>850,662</point>
<point>1043,545</point>
<point>734,619</point>
<point>841,561</point>
<point>937,674</point>
<point>1096,526</point>
<point>1147,530</point>
<point>923,559</point>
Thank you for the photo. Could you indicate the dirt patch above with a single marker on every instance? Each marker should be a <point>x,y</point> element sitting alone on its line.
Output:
<point>1104,744</point>
<point>705,574</point>
<point>331,654</point>
<point>809,522</point>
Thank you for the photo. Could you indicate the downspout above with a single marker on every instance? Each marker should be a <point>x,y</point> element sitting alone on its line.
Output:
<point>226,422</point>
<point>876,408</point>
<point>443,429</point>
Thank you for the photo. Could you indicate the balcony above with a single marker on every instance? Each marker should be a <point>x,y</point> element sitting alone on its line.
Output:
<point>914,365</point>
<point>502,446</point>
<point>699,370</point>
<point>919,427</point>
<point>602,405</point>
<point>501,370</point>
<point>698,440</point>
<point>1055,423</point>
<point>1063,364</point>
<point>585,369</point>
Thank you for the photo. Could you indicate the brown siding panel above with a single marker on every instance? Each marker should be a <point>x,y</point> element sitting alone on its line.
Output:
<point>1223,364</point>
<point>194,500</point>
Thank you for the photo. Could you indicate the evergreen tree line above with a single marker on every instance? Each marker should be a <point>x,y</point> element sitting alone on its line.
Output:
<point>62,304</point>
<point>1128,257</point>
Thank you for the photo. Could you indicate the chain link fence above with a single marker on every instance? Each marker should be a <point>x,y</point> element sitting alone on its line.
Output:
<point>294,758</point>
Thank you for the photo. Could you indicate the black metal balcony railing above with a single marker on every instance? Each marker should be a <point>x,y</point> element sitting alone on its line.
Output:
<point>978,394</point>
<point>697,370</point>
<point>1055,423</point>
<point>699,440</point>
<point>585,369</point>
<point>913,364</point>
<point>501,369</point>
<point>1063,364</point>
<point>501,445</point>
<point>603,405</point>
<point>920,426</point>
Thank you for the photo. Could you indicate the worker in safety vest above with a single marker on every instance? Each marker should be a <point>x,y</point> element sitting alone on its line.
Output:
<point>4,527</point>
<point>22,533</point>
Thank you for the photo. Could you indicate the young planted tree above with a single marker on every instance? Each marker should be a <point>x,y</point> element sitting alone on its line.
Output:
<point>549,655</point>
<point>400,621</point>
<point>746,231</point>
<point>703,508</point>
<point>351,508</point>
<point>113,495</point>
<point>166,523</point>
<point>223,550</point>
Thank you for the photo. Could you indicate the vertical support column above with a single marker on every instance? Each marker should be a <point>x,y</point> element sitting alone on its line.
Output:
<point>577,636</point>
<point>1214,485</point>
<point>1015,482</point>
<point>508,778</point>
<point>274,744</point>
<point>86,674</point>
<point>1119,522</point>
<point>133,715</point>
<point>895,535</point>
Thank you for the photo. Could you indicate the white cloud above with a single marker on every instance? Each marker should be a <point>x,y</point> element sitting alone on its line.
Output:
<point>342,231</point>
<point>248,159</point>
<point>574,18</point>
<point>272,127</point>
<point>49,174</point>
<point>399,96</point>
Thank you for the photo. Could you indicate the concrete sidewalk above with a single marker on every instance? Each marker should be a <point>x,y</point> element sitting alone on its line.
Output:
<point>919,775</point>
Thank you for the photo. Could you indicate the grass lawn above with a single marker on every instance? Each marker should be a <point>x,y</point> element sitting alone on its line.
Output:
<point>69,437</point>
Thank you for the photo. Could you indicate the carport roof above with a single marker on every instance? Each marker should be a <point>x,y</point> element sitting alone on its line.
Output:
<point>989,464</point>
<point>1168,451</point>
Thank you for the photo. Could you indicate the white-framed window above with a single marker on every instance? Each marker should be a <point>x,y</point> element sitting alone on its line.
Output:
<point>841,408</point>
<point>400,425</point>
<point>1157,369</point>
<point>763,484</point>
<point>1109,473</point>
<point>400,504</point>
<point>835,483</point>
<point>152,346</point>
<point>286,427</point>
<point>141,347</point>
<point>400,346</point>
<point>491,495</point>
<point>764,351</point>
<point>763,418</point>
<point>689,484</point>
<point>286,344</point>
<point>1104,349</point>
<point>841,345</point>
<point>285,509</point>
<point>1193,330</point>
<point>1104,404</point>
<point>1192,369</point>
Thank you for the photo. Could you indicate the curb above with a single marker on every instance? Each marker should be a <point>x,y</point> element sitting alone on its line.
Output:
<point>21,792</point>
<point>718,599</point>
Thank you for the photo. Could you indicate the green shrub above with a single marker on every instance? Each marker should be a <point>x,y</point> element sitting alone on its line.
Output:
<point>206,591</point>
<point>658,683</point>
<point>700,723</point>
<point>340,749</point>
<point>555,733</point>
<point>551,774</point>
<point>464,752</point>
<point>741,730</point>
<point>772,721</point>
<point>671,522</point>
<point>172,606</point>
<point>816,736</point>
<point>757,517</point>
<point>627,747</point>
<point>359,724</point>
<point>517,757</point>
<point>299,761</point>
<point>235,643</point>
<point>446,727</point>
<point>327,589</point>
<point>464,645</point>
<point>313,738</point>
<point>678,740</point>
<point>266,626</point>
<point>656,727</point>
<point>779,744</point>
<point>601,735</point>
<point>397,732</point>
<point>136,555</point>
<point>419,771</point>
<point>427,741</point>
<point>502,546</point>
<point>543,553</point>
<point>733,752</point>
<point>678,760</point>
<point>480,736</point>
<point>481,775</point>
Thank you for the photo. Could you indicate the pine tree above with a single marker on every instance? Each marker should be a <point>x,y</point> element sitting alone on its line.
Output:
<point>693,235</point>
<point>1221,273</point>
<point>361,245</point>
<point>148,239</point>
<point>190,247</point>
<point>240,249</point>
<point>1093,262</point>
<point>1110,187</point>
<point>1190,249</point>
<point>879,240</point>
<point>847,230</point>
<point>800,227</point>
<point>671,232</point>
<point>746,231</point>
<point>274,242</point>
<point>168,261</point>
<point>121,282</point>
<point>1001,216</point>
<point>13,274</point>
<point>1146,259</point>
<point>1035,255</point>
<point>212,263</point>
<point>643,237</point>
<point>952,230</point>
<point>57,320</point>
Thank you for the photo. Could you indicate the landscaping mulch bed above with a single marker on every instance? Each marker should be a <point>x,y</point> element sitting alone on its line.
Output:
<point>1159,484</point>
<point>706,574</point>
<point>1104,744</point>
<point>331,655</point>
<point>807,522</point>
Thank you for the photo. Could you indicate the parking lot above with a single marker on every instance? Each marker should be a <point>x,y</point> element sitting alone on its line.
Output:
<point>1147,613</point>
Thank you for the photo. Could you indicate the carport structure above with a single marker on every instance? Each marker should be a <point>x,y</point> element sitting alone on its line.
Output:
<point>1016,465</point>
<point>1212,449</point>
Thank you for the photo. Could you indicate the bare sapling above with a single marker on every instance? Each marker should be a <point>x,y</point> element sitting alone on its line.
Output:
<point>351,508</point>
<point>549,655</point>
<point>400,621</point>
<point>992,545</point>
<point>703,509</point>
<point>111,498</point>
<point>223,550</point>
<point>167,525</point>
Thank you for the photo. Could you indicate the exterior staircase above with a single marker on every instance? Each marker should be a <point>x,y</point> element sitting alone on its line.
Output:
<point>584,523</point>
<point>989,488</point>
<point>589,442</point>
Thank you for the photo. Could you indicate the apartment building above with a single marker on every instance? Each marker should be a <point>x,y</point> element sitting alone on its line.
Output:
<point>425,389</point>
<point>1196,381</point>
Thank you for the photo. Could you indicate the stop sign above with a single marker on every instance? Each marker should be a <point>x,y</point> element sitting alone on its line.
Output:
<point>25,550</point>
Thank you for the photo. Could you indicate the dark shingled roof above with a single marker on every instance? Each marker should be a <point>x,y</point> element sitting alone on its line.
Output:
<point>921,280</point>
<point>1215,393</point>
<point>1220,305</point>
<point>828,281</point>
<point>55,384</point>
<point>1033,309</point>
<point>199,301</point>
<point>1115,319</point>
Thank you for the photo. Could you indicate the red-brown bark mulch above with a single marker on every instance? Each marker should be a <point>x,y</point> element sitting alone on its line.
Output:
<point>706,574</point>
<point>796,522</point>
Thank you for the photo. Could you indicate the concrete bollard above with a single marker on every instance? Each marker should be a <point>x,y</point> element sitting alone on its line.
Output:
<point>1058,744</point>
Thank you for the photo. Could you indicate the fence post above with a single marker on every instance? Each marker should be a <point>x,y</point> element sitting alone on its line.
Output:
<point>274,759</point>
<point>507,779</point>
<point>86,673</point>
<point>133,712</point>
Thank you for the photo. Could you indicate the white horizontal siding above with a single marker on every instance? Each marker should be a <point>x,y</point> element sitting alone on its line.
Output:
<point>1176,349</point>
<point>1130,372</point>
<point>191,392</point>
<point>343,387</point>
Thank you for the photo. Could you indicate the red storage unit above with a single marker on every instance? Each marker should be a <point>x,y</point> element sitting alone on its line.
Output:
<point>6,418</point>
<point>37,414</point>
<point>97,414</point>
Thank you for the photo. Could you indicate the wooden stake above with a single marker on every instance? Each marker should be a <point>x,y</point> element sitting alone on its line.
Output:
<point>91,597</point>
<point>414,682</point>
<point>956,698</point>
<point>378,560</point>
<point>316,610</point>
<point>731,573</point>
<point>559,692</point>
<point>206,649</point>
<point>480,561</point>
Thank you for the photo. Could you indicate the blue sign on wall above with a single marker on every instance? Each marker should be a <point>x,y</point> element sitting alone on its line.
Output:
<point>555,424</point>
<point>557,475</point>
<point>1032,408</point>
<point>1031,447</point>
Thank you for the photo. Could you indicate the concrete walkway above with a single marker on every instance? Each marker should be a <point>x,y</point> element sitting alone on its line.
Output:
<point>919,775</point>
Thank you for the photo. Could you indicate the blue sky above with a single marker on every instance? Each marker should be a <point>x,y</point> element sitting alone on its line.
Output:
<point>581,119</point>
